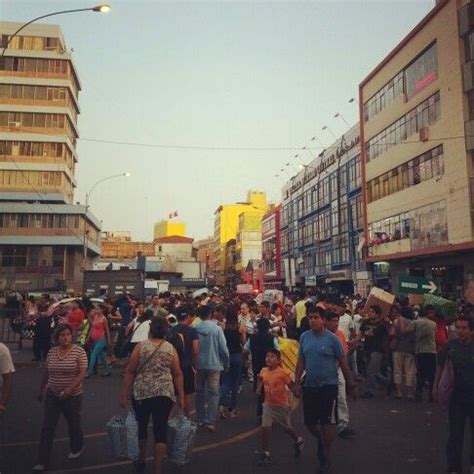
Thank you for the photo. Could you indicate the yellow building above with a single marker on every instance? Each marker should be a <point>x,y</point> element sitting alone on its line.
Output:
<point>226,223</point>
<point>416,128</point>
<point>167,228</point>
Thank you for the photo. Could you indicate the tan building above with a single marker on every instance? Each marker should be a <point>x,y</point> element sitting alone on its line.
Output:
<point>416,124</point>
<point>42,234</point>
<point>119,245</point>
<point>204,254</point>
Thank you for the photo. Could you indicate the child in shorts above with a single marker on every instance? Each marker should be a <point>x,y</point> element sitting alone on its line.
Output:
<point>275,382</point>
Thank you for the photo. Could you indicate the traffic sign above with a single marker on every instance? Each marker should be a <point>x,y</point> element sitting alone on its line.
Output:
<point>416,285</point>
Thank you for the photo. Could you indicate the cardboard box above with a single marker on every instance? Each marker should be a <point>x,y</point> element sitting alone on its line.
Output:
<point>381,298</point>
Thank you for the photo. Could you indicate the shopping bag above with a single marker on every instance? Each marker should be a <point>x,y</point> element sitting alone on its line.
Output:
<point>446,383</point>
<point>122,437</point>
<point>181,434</point>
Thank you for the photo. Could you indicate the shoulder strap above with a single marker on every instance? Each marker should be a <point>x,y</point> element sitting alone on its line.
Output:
<point>139,369</point>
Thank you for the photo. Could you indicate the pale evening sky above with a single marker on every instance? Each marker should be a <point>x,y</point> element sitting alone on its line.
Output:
<point>220,74</point>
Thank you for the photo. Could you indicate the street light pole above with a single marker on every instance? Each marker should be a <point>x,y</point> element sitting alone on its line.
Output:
<point>88,195</point>
<point>99,8</point>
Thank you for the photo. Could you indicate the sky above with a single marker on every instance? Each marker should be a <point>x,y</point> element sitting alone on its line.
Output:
<point>203,101</point>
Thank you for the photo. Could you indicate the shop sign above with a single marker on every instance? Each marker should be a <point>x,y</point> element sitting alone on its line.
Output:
<point>310,281</point>
<point>416,285</point>
<point>340,275</point>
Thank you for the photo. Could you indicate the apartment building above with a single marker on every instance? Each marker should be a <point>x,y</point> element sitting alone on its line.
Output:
<point>45,240</point>
<point>416,126</point>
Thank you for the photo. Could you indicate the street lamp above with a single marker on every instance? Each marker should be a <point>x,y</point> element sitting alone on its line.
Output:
<point>339,115</point>
<point>103,8</point>
<point>330,131</point>
<point>88,195</point>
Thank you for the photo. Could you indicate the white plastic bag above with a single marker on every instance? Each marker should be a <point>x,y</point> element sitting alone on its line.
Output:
<point>122,436</point>
<point>181,434</point>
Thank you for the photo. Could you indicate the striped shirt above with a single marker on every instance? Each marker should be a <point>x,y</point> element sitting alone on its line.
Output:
<point>63,370</point>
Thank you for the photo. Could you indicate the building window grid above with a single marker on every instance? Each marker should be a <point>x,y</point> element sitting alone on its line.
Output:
<point>425,114</point>
<point>39,221</point>
<point>422,168</point>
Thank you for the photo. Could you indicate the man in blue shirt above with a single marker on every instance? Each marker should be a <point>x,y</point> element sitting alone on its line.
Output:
<point>320,355</point>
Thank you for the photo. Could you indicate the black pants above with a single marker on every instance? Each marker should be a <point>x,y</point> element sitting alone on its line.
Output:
<point>159,408</point>
<point>41,346</point>
<point>426,370</point>
<point>71,410</point>
<point>459,412</point>
<point>121,340</point>
<point>261,397</point>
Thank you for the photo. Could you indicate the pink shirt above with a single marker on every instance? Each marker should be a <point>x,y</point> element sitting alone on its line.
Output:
<point>98,328</point>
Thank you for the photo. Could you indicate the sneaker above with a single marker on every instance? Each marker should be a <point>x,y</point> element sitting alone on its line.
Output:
<point>346,434</point>
<point>265,459</point>
<point>299,446</point>
<point>39,468</point>
<point>75,455</point>
<point>211,428</point>
<point>107,374</point>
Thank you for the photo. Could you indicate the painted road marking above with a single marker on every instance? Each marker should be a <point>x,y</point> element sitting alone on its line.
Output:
<point>240,437</point>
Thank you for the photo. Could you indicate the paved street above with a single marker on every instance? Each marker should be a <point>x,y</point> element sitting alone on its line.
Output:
<point>392,437</point>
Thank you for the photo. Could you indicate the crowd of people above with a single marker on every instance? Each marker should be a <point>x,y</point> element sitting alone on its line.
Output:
<point>196,352</point>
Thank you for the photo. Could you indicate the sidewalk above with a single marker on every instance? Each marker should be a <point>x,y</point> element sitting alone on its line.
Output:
<point>22,357</point>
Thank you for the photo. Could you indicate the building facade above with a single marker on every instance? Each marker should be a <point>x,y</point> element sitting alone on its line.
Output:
<point>204,255</point>
<point>417,113</point>
<point>271,248</point>
<point>321,221</point>
<point>119,245</point>
<point>226,227</point>
<point>168,228</point>
<point>45,240</point>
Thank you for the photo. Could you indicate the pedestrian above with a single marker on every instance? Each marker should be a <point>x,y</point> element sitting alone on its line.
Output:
<point>275,382</point>
<point>99,337</point>
<point>123,314</point>
<point>374,331</point>
<point>189,356</point>
<point>7,370</point>
<point>61,389</point>
<point>75,318</point>
<point>460,352</point>
<point>154,377</point>
<point>138,329</point>
<point>425,348</point>
<point>403,353</point>
<point>333,323</point>
<point>213,359</point>
<point>235,337</point>
<point>258,345</point>
<point>319,356</point>
<point>43,330</point>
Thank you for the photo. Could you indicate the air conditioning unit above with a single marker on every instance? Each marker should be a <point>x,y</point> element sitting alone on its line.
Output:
<point>423,134</point>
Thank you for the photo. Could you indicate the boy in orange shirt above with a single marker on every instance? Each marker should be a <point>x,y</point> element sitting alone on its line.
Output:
<point>275,381</point>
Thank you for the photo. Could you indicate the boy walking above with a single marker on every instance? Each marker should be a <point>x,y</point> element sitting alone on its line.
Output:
<point>275,382</point>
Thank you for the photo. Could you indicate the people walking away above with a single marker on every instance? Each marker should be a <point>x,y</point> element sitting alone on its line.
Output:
<point>155,375</point>
<point>235,337</point>
<point>319,356</point>
<point>189,356</point>
<point>275,383</point>
<point>460,353</point>
<point>100,340</point>
<point>61,389</point>
<point>138,329</point>
<point>258,345</point>
<point>213,359</point>
<point>43,331</point>
<point>124,311</point>
<point>75,318</point>
<point>7,370</point>
<point>425,348</point>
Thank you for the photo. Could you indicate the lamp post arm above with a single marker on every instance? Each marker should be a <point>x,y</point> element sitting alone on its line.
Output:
<point>40,18</point>
<point>99,182</point>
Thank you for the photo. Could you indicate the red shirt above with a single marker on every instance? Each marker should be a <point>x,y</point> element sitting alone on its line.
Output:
<point>441,337</point>
<point>75,319</point>
<point>343,340</point>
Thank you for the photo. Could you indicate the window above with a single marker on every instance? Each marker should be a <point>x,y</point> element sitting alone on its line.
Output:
<point>422,71</point>
<point>422,168</point>
<point>425,114</point>
<point>384,97</point>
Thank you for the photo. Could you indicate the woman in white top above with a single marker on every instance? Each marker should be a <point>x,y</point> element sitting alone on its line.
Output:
<point>139,326</point>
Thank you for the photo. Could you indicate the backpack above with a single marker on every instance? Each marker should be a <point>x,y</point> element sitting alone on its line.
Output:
<point>176,339</point>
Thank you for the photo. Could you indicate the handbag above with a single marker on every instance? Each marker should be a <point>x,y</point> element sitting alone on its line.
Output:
<point>181,434</point>
<point>122,436</point>
<point>446,383</point>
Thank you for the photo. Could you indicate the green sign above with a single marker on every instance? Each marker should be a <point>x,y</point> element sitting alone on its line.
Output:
<point>416,285</point>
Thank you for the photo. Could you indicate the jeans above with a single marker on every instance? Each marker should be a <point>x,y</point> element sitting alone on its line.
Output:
<point>426,371</point>
<point>207,396</point>
<point>404,363</point>
<point>71,410</point>
<point>98,353</point>
<point>459,412</point>
<point>342,408</point>
<point>373,368</point>
<point>231,380</point>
